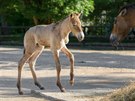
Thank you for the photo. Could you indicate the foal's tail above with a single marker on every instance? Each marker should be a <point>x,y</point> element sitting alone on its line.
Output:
<point>24,51</point>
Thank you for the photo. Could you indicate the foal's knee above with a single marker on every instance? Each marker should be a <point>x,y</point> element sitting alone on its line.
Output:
<point>58,67</point>
<point>31,63</point>
<point>20,64</point>
<point>71,57</point>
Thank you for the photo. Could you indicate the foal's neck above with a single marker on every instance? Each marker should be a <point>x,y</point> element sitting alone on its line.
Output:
<point>65,28</point>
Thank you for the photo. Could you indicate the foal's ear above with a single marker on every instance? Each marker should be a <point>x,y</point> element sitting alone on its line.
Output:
<point>71,15</point>
<point>123,12</point>
<point>79,14</point>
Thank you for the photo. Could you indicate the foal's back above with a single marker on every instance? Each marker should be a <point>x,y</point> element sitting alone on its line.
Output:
<point>40,34</point>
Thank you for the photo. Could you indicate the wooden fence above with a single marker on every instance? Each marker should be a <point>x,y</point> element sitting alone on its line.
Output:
<point>93,34</point>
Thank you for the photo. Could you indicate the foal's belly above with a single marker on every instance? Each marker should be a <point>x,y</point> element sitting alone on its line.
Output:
<point>43,40</point>
<point>44,43</point>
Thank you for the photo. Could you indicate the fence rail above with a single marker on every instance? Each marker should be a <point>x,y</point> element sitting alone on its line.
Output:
<point>11,30</point>
<point>15,34</point>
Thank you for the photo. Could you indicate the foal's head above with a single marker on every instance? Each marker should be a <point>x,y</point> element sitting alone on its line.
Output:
<point>75,26</point>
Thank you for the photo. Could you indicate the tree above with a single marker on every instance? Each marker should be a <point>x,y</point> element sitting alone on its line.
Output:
<point>48,11</point>
<point>10,14</point>
<point>44,11</point>
<point>110,8</point>
<point>103,15</point>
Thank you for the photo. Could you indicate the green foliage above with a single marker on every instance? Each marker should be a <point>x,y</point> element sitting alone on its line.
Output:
<point>97,13</point>
<point>103,15</point>
<point>10,14</point>
<point>47,11</point>
<point>44,11</point>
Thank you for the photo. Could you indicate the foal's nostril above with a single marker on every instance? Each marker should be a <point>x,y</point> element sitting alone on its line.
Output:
<point>80,36</point>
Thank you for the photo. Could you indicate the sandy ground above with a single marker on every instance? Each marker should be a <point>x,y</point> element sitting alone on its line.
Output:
<point>96,73</point>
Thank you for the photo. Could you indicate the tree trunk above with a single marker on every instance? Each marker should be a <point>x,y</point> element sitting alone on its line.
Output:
<point>36,22</point>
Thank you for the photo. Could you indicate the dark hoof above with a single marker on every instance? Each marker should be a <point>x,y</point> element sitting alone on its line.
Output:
<point>71,82</point>
<point>63,90</point>
<point>42,88</point>
<point>38,85</point>
<point>21,93</point>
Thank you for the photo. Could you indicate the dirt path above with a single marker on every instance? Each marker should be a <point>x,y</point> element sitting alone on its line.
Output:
<point>96,73</point>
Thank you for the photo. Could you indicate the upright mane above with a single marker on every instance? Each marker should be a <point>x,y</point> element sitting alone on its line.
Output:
<point>129,6</point>
<point>59,22</point>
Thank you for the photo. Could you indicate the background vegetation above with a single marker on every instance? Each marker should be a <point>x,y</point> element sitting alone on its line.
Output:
<point>16,16</point>
<point>41,11</point>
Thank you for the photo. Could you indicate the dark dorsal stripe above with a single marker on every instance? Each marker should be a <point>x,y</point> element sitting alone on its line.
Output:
<point>57,23</point>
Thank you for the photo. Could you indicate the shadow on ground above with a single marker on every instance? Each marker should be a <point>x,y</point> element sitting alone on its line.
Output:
<point>9,59</point>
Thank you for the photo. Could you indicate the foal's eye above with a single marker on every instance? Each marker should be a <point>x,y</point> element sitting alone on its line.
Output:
<point>74,25</point>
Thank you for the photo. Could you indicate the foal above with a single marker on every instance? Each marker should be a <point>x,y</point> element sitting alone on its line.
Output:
<point>56,36</point>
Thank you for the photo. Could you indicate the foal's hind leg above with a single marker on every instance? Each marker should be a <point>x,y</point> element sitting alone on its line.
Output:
<point>32,62</point>
<point>20,67</point>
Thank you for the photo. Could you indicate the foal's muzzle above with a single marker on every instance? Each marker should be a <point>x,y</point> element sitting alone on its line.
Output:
<point>114,40</point>
<point>80,36</point>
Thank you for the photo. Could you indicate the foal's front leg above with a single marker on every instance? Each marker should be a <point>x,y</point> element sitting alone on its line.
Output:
<point>58,68</point>
<point>71,59</point>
